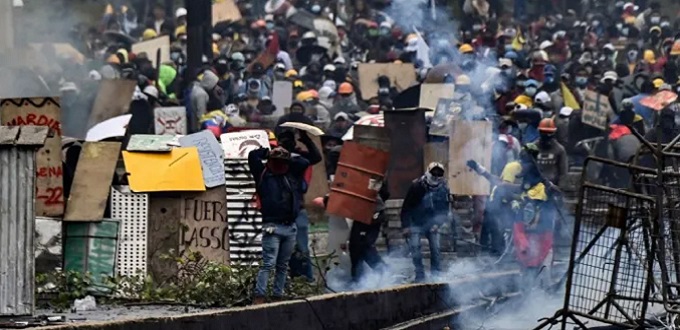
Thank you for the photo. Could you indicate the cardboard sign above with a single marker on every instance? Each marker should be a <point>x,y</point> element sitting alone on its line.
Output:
<point>97,163</point>
<point>49,197</point>
<point>596,110</point>
<point>177,170</point>
<point>469,140</point>
<point>113,99</point>
<point>204,224</point>
<point>170,121</point>
<point>659,100</point>
<point>225,11</point>
<point>318,187</point>
<point>238,145</point>
<point>150,143</point>
<point>401,75</point>
<point>151,47</point>
<point>445,111</point>
<point>211,155</point>
<point>282,97</point>
<point>430,94</point>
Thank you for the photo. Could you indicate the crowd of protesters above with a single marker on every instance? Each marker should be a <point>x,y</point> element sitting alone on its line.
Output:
<point>527,72</point>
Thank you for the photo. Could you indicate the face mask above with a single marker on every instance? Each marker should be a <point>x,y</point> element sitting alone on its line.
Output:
<point>507,72</point>
<point>619,26</point>
<point>655,20</point>
<point>665,24</point>
<point>581,81</point>
<point>522,126</point>
<point>548,114</point>
<point>549,79</point>
<point>632,55</point>
<point>530,91</point>
<point>278,166</point>
<point>433,180</point>
<point>270,26</point>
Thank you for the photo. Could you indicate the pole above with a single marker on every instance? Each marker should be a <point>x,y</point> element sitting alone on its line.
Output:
<point>198,13</point>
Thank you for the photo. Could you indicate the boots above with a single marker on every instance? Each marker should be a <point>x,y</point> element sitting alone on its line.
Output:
<point>259,300</point>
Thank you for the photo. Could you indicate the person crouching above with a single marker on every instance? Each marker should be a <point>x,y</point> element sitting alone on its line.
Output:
<point>280,190</point>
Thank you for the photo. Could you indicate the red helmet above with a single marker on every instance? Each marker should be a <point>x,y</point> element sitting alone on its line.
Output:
<point>547,125</point>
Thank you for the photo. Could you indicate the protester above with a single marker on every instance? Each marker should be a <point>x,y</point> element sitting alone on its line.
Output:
<point>424,212</point>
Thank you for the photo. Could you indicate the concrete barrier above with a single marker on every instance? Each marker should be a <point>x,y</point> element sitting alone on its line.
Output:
<point>354,310</point>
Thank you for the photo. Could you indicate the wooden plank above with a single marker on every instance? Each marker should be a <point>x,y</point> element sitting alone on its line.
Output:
<point>32,136</point>
<point>225,11</point>
<point>165,212</point>
<point>49,173</point>
<point>431,93</point>
<point>469,140</point>
<point>91,183</point>
<point>319,185</point>
<point>436,152</point>
<point>401,76</point>
<point>150,47</point>
<point>8,135</point>
<point>205,225</point>
<point>113,99</point>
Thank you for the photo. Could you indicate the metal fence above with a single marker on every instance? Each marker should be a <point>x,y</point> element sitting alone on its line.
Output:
<point>244,219</point>
<point>17,217</point>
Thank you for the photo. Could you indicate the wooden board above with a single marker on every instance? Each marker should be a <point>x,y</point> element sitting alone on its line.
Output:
<point>372,136</point>
<point>319,185</point>
<point>436,152</point>
<point>469,140</point>
<point>446,110</point>
<point>408,136</point>
<point>225,10</point>
<point>49,172</point>
<point>151,47</point>
<point>164,230</point>
<point>170,121</point>
<point>204,224</point>
<point>90,188</point>
<point>402,76</point>
<point>113,99</point>
<point>431,93</point>
<point>596,110</point>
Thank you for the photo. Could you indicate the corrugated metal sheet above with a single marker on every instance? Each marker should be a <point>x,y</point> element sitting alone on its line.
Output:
<point>17,218</point>
<point>245,221</point>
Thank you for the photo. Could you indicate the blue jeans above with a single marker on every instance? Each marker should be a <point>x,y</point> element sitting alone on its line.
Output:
<point>301,263</point>
<point>277,248</point>
<point>435,250</point>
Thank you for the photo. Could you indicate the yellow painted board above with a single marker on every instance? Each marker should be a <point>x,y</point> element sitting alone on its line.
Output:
<point>177,170</point>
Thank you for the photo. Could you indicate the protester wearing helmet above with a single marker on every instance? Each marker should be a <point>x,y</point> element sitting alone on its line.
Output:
<point>346,101</point>
<point>424,211</point>
<point>552,158</point>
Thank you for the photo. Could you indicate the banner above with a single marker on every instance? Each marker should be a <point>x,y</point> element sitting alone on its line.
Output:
<point>469,140</point>
<point>49,197</point>
<point>170,121</point>
<point>96,164</point>
<point>238,145</point>
<point>596,110</point>
<point>204,224</point>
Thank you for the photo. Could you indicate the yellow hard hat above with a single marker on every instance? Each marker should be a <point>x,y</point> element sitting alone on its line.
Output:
<point>303,96</point>
<point>466,48</point>
<point>291,73</point>
<point>462,80</point>
<point>182,29</point>
<point>658,82</point>
<point>149,34</point>
<point>649,56</point>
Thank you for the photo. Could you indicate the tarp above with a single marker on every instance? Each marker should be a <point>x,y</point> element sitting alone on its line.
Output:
<point>177,170</point>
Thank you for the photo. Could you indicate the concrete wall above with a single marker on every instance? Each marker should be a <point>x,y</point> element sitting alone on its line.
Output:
<point>346,311</point>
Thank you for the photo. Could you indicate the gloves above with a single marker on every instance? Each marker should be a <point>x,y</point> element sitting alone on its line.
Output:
<point>472,165</point>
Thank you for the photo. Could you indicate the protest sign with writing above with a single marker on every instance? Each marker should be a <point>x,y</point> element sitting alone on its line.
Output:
<point>151,47</point>
<point>49,172</point>
<point>401,76</point>
<point>238,145</point>
<point>97,163</point>
<point>470,140</point>
<point>596,110</point>
<point>211,154</point>
<point>177,170</point>
<point>430,94</point>
<point>170,121</point>
<point>204,224</point>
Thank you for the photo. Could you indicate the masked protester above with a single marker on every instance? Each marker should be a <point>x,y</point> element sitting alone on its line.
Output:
<point>301,263</point>
<point>280,189</point>
<point>530,90</point>
<point>533,214</point>
<point>297,114</point>
<point>552,158</point>
<point>346,101</point>
<point>425,210</point>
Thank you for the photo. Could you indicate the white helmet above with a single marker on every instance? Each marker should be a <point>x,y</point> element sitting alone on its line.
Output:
<point>542,98</point>
<point>181,12</point>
